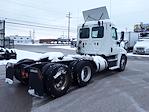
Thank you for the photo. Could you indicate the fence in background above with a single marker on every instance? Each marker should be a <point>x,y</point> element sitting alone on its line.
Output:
<point>7,43</point>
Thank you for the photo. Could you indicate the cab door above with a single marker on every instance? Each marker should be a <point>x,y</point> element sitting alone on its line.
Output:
<point>84,41</point>
<point>97,39</point>
<point>115,46</point>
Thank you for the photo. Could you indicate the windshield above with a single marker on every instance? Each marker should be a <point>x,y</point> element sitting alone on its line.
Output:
<point>114,33</point>
<point>84,33</point>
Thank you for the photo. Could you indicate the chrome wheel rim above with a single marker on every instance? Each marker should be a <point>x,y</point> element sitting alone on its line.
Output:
<point>61,81</point>
<point>123,62</point>
<point>86,74</point>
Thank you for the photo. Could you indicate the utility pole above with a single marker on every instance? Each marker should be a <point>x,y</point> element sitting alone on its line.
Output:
<point>2,33</point>
<point>33,36</point>
<point>69,17</point>
<point>30,33</point>
<point>110,9</point>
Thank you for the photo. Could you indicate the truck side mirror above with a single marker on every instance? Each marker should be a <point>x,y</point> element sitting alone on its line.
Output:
<point>118,43</point>
<point>122,36</point>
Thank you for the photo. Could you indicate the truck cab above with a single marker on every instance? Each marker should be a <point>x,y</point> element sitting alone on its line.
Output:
<point>97,38</point>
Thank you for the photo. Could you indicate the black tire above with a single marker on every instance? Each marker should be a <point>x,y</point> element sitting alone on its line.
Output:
<point>46,67</point>
<point>57,86</point>
<point>83,72</point>
<point>123,62</point>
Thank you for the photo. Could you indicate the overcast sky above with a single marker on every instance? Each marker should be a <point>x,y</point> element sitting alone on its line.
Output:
<point>52,13</point>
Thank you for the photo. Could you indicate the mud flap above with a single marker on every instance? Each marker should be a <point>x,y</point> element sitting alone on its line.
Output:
<point>35,82</point>
<point>9,73</point>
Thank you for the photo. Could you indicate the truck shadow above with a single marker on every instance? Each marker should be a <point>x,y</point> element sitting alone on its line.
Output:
<point>14,98</point>
<point>18,96</point>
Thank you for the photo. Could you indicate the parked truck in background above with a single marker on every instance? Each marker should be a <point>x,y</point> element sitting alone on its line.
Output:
<point>98,49</point>
<point>130,39</point>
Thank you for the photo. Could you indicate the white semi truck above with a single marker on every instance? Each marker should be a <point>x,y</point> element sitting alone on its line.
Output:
<point>97,49</point>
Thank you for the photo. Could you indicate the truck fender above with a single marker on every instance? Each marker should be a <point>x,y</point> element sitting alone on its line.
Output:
<point>100,63</point>
<point>25,61</point>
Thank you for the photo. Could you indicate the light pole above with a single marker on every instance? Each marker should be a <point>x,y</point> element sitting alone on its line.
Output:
<point>69,17</point>
<point>110,10</point>
<point>33,36</point>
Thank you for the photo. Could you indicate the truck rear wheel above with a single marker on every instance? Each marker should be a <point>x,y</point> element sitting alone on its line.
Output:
<point>84,73</point>
<point>123,62</point>
<point>57,80</point>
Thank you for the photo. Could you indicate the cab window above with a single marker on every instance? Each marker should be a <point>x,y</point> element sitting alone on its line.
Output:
<point>114,33</point>
<point>84,33</point>
<point>98,32</point>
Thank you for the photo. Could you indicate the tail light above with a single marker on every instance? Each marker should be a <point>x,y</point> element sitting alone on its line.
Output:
<point>24,74</point>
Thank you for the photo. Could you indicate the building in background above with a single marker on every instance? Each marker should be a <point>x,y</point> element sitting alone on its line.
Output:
<point>141,27</point>
<point>61,40</point>
<point>21,39</point>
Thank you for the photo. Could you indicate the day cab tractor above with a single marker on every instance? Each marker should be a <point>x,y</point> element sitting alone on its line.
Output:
<point>97,49</point>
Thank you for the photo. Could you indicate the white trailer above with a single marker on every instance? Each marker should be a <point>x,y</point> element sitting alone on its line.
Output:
<point>98,49</point>
<point>130,39</point>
